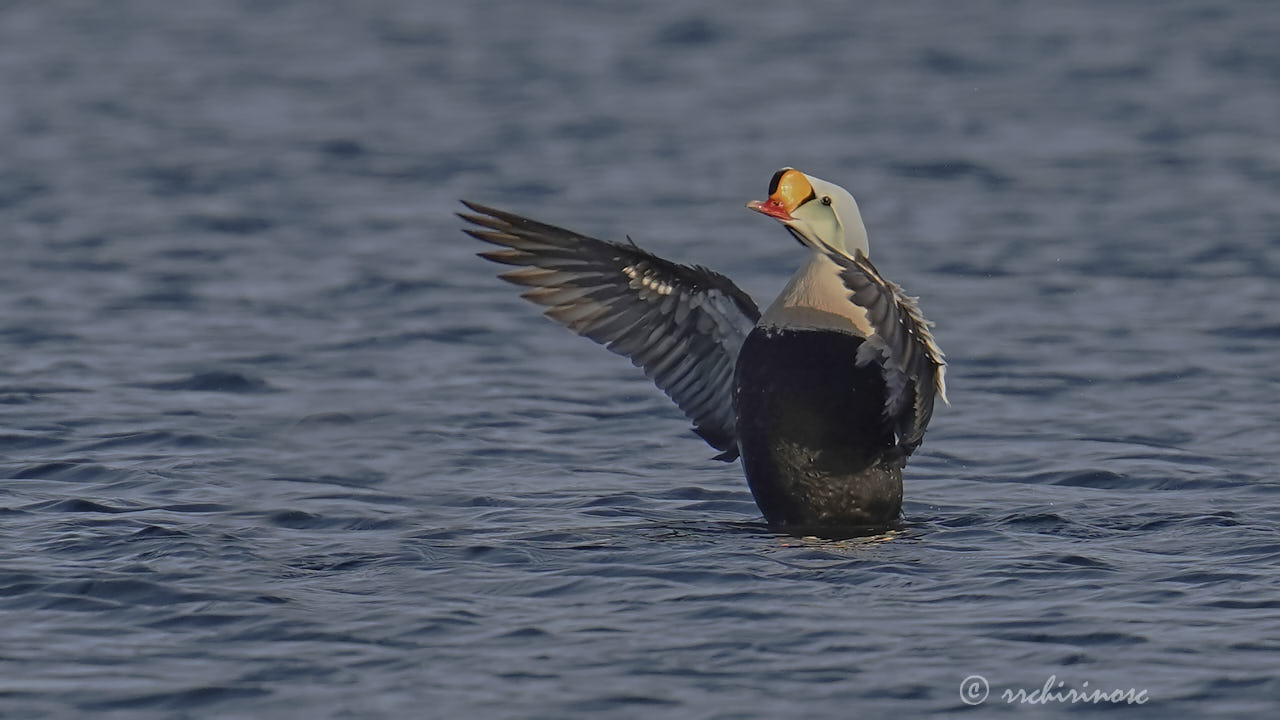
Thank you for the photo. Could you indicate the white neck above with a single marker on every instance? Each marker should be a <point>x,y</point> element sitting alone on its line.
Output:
<point>816,299</point>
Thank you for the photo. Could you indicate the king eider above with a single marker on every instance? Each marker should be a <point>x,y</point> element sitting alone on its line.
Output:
<point>824,396</point>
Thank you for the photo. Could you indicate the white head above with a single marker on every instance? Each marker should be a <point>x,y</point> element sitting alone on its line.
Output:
<point>821,215</point>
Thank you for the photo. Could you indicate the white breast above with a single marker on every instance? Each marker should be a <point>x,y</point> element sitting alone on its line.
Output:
<point>817,299</point>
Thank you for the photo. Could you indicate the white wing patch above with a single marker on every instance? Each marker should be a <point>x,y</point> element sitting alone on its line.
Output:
<point>647,279</point>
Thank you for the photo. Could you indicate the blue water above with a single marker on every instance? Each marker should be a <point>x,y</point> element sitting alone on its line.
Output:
<point>276,444</point>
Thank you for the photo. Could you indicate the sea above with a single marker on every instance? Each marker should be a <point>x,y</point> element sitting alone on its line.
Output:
<point>275,443</point>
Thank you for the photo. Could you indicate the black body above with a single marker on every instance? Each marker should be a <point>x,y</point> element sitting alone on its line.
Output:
<point>816,447</point>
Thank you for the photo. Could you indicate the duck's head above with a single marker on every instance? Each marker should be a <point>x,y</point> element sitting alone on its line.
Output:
<point>821,215</point>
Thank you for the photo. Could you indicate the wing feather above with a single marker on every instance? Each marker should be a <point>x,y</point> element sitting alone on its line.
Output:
<point>684,325</point>
<point>913,364</point>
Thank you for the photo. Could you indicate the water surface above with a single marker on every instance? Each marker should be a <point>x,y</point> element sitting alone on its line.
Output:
<point>277,444</point>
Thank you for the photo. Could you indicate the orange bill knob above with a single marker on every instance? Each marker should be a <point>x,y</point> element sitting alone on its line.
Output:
<point>791,189</point>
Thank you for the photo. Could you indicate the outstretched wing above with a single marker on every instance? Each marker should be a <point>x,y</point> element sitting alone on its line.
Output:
<point>683,325</point>
<point>913,365</point>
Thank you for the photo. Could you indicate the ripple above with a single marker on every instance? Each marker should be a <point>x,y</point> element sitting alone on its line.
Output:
<point>215,381</point>
<point>952,169</point>
<point>230,224</point>
<point>200,696</point>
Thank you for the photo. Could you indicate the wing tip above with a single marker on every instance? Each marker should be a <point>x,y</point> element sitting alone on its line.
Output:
<point>477,207</point>
<point>727,456</point>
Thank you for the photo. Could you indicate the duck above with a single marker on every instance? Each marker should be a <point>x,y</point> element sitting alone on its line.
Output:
<point>823,396</point>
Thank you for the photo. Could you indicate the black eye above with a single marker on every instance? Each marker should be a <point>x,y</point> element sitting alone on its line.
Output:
<point>826,199</point>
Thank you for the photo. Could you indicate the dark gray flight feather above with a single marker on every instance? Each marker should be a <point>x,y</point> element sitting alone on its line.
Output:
<point>913,365</point>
